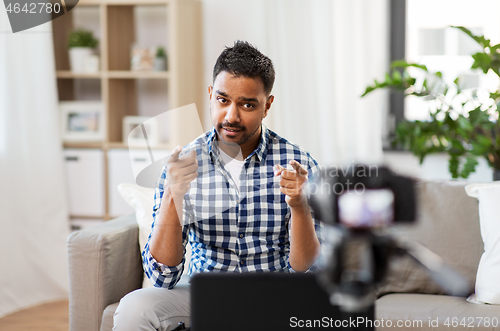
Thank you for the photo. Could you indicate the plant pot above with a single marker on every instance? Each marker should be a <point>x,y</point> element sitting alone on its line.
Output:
<point>496,174</point>
<point>160,64</point>
<point>78,56</point>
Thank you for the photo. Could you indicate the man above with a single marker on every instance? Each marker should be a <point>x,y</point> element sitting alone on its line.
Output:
<point>236,194</point>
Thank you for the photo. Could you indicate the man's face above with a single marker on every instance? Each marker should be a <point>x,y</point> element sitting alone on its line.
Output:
<point>238,105</point>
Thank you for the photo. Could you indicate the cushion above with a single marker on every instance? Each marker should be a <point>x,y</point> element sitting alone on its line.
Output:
<point>488,272</point>
<point>107,317</point>
<point>421,312</point>
<point>142,200</point>
<point>448,224</point>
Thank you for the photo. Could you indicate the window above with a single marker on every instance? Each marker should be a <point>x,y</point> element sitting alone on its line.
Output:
<point>420,33</point>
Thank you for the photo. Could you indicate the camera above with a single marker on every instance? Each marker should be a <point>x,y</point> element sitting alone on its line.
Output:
<point>362,197</point>
<point>357,204</point>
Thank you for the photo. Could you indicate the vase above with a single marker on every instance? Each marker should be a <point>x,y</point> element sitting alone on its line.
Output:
<point>160,64</point>
<point>496,174</point>
<point>78,57</point>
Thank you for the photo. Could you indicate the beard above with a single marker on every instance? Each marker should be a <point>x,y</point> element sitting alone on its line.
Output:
<point>241,134</point>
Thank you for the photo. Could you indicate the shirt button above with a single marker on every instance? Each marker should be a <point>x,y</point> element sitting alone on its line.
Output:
<point>242,262</point>
<point>241,235</point>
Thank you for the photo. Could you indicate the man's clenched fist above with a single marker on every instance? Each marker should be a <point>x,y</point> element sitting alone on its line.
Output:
<point>292,183</point>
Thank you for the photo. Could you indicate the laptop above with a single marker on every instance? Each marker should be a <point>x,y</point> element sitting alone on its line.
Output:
<point>264,301</point>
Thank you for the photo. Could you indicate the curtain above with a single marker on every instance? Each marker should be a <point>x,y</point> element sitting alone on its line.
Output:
<point>33,213</point>
<point>325,54</point>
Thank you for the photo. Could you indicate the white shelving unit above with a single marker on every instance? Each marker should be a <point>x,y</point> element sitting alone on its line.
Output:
<point>119,25</point>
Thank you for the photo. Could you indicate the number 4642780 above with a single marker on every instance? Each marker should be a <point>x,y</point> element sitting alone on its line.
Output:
<point>471,322</point>
<point>33,8</point>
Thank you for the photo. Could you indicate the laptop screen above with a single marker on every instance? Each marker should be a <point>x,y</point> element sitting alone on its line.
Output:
<point>264,301</point>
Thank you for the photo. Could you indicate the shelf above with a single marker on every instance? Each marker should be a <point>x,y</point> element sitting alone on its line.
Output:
<point>137,74</point>
<point>110,145</point>
<point>125,146</point>
<point>104,217</point>
<point>124,74</point>
<point>88,217</point>
<point>90,2</point>
<point>75,144</point>
<point>123,2</point>
<point>70,74</point>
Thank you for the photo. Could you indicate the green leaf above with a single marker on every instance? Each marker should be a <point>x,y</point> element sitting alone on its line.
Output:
<point>405,64</point>
<point>388,79</point>
<point>495,48</point>
<point>479,149</point>
<point>469,166</point>
<point>457,148</point>
<point>481,61</point>
<point>396,76</point>
<point>82,38</point>
<point>368,90</point>
<point>484,141</point>
<point>483,42</point>
<point>477,117</point>
<point>464,124</point>
<point>453,166</point>
<point>372,88</point>
<point>495,95</point>
<point>450,122</point>
<point>410,81</point>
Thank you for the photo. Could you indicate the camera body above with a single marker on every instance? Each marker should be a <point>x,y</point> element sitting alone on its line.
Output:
<point>362,197</point>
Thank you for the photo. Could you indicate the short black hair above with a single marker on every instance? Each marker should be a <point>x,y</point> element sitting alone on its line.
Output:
<point>246,60</point>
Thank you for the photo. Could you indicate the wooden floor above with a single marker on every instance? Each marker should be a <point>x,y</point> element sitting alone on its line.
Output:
<point>52,316</point>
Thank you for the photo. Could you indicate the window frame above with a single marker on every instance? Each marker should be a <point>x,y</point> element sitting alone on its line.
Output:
<point>397,42</point>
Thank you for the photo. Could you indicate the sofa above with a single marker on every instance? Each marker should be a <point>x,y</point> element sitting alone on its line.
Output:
<point>105,264</point>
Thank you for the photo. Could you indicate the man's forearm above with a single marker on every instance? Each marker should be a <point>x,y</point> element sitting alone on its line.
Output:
<point>304,243</point>
<point>166,240</point>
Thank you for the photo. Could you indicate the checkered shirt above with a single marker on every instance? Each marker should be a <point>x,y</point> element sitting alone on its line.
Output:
<point>230,230</point>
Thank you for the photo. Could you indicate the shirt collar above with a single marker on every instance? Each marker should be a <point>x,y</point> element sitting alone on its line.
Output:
<point>260,152</point>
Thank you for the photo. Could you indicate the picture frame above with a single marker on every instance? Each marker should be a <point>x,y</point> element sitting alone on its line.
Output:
<point>142,59</point>
<point>133,134</point>
<point>82,121</point>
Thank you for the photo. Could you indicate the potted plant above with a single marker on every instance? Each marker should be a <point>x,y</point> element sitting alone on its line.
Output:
<point>81,44</point>
<point>160,63</point>
<point>462,123</point>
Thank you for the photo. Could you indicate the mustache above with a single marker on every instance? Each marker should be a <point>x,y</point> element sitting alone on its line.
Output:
<point>231,126</point>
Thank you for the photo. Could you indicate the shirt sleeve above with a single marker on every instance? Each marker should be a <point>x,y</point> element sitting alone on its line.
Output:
<point>160,274</point>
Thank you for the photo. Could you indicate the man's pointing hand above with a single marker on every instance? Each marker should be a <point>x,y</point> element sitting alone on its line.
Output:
<point>292,183</point>
<point>181,172</point>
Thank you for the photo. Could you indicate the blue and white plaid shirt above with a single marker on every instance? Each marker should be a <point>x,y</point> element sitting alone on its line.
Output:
<point>230,230</point>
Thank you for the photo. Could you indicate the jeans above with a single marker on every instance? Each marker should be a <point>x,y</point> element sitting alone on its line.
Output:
<point>153,309</point>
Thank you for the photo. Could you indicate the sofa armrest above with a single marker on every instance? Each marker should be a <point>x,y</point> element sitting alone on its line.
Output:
<point>104,265</point>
